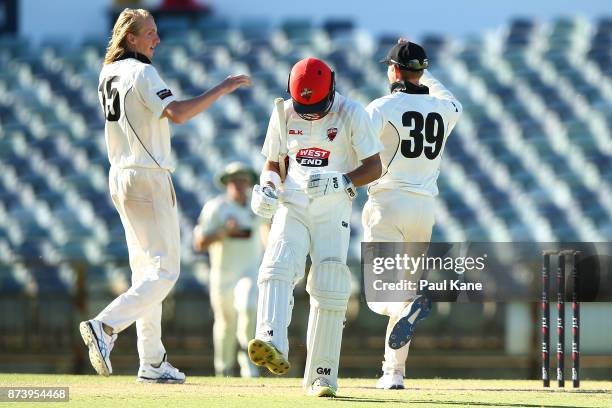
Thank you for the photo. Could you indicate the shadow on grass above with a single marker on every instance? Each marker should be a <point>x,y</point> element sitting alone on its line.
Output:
<point>546,390</point>
<point>451,403</point>
<point>488,404</point>
<point>554,390</point>
<point>366,399</point>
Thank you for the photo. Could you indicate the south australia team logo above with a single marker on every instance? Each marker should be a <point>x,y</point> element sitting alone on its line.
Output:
<point>331,134</point>
<point>313,157</point>
<point>306,93</point>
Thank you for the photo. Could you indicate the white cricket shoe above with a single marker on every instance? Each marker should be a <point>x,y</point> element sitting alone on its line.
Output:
<point>391,380</point>
<point>100,345</point>
<point>321,387</point>
<point>164,374</point>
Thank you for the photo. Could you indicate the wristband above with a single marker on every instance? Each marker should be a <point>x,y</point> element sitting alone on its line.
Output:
<point>269,176</point>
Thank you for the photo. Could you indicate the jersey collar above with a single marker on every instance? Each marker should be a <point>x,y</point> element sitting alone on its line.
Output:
<point>133,54</point>
<point>409,88</point>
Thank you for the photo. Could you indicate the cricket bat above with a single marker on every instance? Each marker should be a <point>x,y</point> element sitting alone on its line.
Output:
<point>279,105</point>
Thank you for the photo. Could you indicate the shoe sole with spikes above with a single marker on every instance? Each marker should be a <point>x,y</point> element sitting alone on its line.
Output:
<point>95,356</point>
<point>402,332</point>
<point>266,355</point>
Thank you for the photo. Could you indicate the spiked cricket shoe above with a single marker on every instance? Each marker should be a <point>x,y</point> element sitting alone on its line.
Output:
<point>403,330</point>
<point>164,374</point>
<point>100,345</point>
<point>263,353</point>
<point>392,380</point>
<point>321,387</point>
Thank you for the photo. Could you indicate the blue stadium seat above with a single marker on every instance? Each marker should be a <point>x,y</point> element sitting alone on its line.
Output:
<point>32,249</point>
<point>335,27</point>
<point>10,200</point>
<point>116,251</point>
<point>168,24</point>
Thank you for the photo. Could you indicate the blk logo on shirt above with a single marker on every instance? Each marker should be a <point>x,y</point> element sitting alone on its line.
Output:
<point>313,157</point>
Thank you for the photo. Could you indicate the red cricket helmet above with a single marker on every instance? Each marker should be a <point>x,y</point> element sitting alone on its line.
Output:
<point>312,88</point>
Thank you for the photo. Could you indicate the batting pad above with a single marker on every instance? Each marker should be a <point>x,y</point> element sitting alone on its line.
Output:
<point>329,286</point>
<point>274,307</point>
<point>276,279</point>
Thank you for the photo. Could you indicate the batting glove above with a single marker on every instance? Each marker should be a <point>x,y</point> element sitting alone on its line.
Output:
<point>321,184</point>
<point>264,201</point>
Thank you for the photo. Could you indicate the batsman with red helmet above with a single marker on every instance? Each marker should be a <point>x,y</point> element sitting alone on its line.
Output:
<point>331,149</point>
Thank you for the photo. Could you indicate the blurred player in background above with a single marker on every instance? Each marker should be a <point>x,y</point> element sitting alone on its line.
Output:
<point>413,123</point>
<point>137,105</point>
<point>331,150</point>
<point>234,238</point>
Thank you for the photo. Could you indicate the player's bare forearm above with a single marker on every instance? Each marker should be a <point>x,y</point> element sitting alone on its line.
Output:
<point>370,170</point>
<point>209,239</point>
<point>181,111</point>
<point>202,241</point>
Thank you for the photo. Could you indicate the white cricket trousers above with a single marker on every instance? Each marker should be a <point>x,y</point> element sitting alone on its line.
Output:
<point>396,216</point>
<point>234,305</point>
<point>323,231</point>
<point>146,203</point>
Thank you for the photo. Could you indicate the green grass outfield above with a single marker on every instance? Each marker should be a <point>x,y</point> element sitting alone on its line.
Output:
<point>204,392</point>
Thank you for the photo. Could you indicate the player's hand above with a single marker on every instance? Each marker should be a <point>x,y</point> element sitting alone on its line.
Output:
<point>198,239</point>
<point>321,184</point>
<point>231,227</point>
<point>264,201</point>
<point>233,82</point>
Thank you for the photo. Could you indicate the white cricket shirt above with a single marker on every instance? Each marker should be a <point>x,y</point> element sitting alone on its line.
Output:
<point>337,142</point>
<point>413,129</point>
<point>133,97</point>
<point>238,255</point>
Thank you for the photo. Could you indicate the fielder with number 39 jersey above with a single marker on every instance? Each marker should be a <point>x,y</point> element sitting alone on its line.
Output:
<point>413,123</point>
<point>413,128</point>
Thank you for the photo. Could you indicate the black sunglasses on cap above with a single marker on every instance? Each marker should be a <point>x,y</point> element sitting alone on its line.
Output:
<point>411,65</point>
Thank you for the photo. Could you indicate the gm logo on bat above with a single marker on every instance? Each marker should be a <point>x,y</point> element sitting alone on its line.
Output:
<point>313,157</point>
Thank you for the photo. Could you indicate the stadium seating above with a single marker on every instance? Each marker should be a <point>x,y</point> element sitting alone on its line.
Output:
<point>529,160</point>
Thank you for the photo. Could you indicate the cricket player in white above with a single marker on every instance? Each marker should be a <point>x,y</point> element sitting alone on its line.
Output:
<point>331,149</point>
<point>137,105</point>
<point>413,123</point>
<point>234,238</point>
